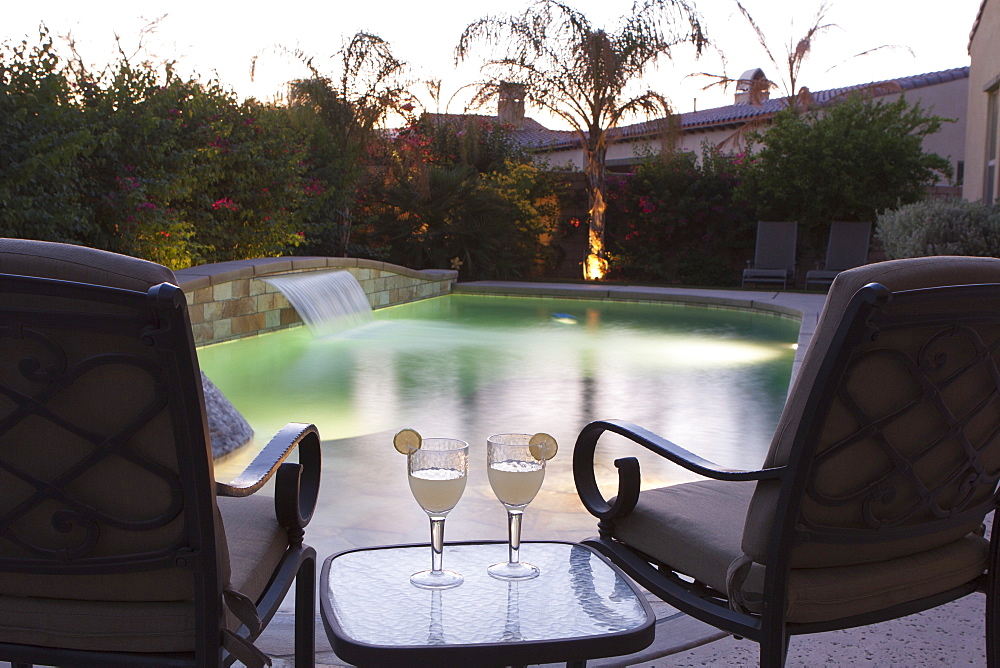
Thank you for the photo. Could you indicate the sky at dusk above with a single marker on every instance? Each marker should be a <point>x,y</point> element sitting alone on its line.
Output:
<point>221,39</point>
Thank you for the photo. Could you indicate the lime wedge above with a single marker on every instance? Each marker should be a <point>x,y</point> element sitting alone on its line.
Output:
<point>406,441</point>
<point>542,446</point>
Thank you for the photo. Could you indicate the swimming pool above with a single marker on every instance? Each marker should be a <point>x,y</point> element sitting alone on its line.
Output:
<point>467,366</point>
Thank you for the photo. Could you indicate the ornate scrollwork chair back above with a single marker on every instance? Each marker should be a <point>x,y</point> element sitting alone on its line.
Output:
<point>114,548</point>
<point>871,500</point>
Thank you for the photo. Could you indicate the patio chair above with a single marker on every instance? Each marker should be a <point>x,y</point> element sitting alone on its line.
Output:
<point>774,255</point>
<point>871,500</point>
<point>117,546</point>
<point>847,248</point>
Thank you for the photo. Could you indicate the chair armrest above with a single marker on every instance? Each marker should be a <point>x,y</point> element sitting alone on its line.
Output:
<point>296,486</point>
<point>628,467</point>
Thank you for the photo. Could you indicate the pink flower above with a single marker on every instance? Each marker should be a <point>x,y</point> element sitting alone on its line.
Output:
<point>225,203</point>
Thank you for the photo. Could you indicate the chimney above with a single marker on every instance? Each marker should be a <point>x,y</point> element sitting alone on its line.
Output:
<point>510,107</point>
<point>752,87</point>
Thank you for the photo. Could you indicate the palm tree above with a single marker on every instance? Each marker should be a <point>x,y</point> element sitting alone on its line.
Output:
<point>797,51</point>
<point>342,114</point>
<point>584,75</point>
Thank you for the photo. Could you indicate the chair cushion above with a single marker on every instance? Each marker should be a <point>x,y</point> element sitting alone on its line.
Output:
<point>696,529</point>
<point>228,429</point>
<point>44,259</point>
<point>256,541</point>
<point>256,545</point>
<point>824,594</point>
<point>895,275</point>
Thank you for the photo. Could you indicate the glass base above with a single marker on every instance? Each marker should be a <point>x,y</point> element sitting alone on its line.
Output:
<point>506,570</point>
<point>436,579</point>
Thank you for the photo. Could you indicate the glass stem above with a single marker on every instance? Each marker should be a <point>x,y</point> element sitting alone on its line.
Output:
<point>514,533</point>
<point>437,542</point>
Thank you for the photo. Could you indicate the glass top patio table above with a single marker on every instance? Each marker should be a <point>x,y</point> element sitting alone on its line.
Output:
<point>580,607</point>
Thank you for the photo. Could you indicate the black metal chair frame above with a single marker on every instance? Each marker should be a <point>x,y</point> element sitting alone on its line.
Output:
<point>160,319</point>
<point>865,318</point>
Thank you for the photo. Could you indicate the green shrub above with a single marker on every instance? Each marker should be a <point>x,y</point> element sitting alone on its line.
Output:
<point>140,161</point>
<point>940,227</point>
<point>435,208</point>
<point>44,138</point>
<point>846,162</point>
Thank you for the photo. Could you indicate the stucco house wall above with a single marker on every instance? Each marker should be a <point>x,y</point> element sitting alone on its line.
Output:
<point>941,93</point>
<point>984,81</point>
<point>948,100</point>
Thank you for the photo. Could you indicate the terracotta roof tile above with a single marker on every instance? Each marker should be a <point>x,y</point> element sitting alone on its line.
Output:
<point>738,114</point>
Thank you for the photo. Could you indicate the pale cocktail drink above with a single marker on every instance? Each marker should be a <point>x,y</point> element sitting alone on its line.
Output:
<point>515,483</point>
<point>515,465</point>
<point>437,469</point>
<point>437,490</point>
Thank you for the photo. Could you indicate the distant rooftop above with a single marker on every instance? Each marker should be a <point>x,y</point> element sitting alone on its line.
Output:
<point>535,135</point>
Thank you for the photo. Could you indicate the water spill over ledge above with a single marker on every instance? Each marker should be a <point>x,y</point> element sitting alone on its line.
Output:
<point>328,302</point>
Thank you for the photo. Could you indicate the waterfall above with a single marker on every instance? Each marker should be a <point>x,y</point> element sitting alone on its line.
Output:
<point>328,302</point>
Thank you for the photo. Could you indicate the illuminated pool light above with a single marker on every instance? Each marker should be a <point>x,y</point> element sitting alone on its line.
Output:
<point>697,352</point>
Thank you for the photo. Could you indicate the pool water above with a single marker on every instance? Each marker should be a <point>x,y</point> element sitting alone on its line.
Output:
<point>467,366</point>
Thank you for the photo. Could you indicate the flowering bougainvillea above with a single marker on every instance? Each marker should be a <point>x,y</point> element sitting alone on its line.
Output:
<point>225,203</point>
<point>139,160</point>
<point>677,219</point>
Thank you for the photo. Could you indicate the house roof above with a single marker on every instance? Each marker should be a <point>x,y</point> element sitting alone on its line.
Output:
<point>975,24</point>
<point>541,138</point>
<point>530,133</point>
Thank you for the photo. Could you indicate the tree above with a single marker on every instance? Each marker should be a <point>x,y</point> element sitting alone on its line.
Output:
<point>339,117</point>
<point>789,71</point>
<point>848,162</point>
<point>584,75</point>
<point>460,194</point>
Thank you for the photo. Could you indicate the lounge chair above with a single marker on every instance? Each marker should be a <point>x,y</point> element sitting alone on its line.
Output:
<point>774,255</point>
<point>847,248</point>
<point>117,546</point>
<point>870,503</point>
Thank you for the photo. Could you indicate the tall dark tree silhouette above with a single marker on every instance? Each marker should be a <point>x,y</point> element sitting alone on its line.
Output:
<point>588,77</point>
<point>341,114</point>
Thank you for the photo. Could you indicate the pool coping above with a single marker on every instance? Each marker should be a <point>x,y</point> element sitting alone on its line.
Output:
<point>804,307</point>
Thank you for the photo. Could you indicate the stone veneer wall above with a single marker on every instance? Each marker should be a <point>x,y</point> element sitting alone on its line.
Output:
<point>229,301</point>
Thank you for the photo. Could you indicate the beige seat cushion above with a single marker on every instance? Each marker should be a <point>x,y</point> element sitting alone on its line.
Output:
<point>863,464</point>
<point>696,528</point>
<point>256,545</point>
